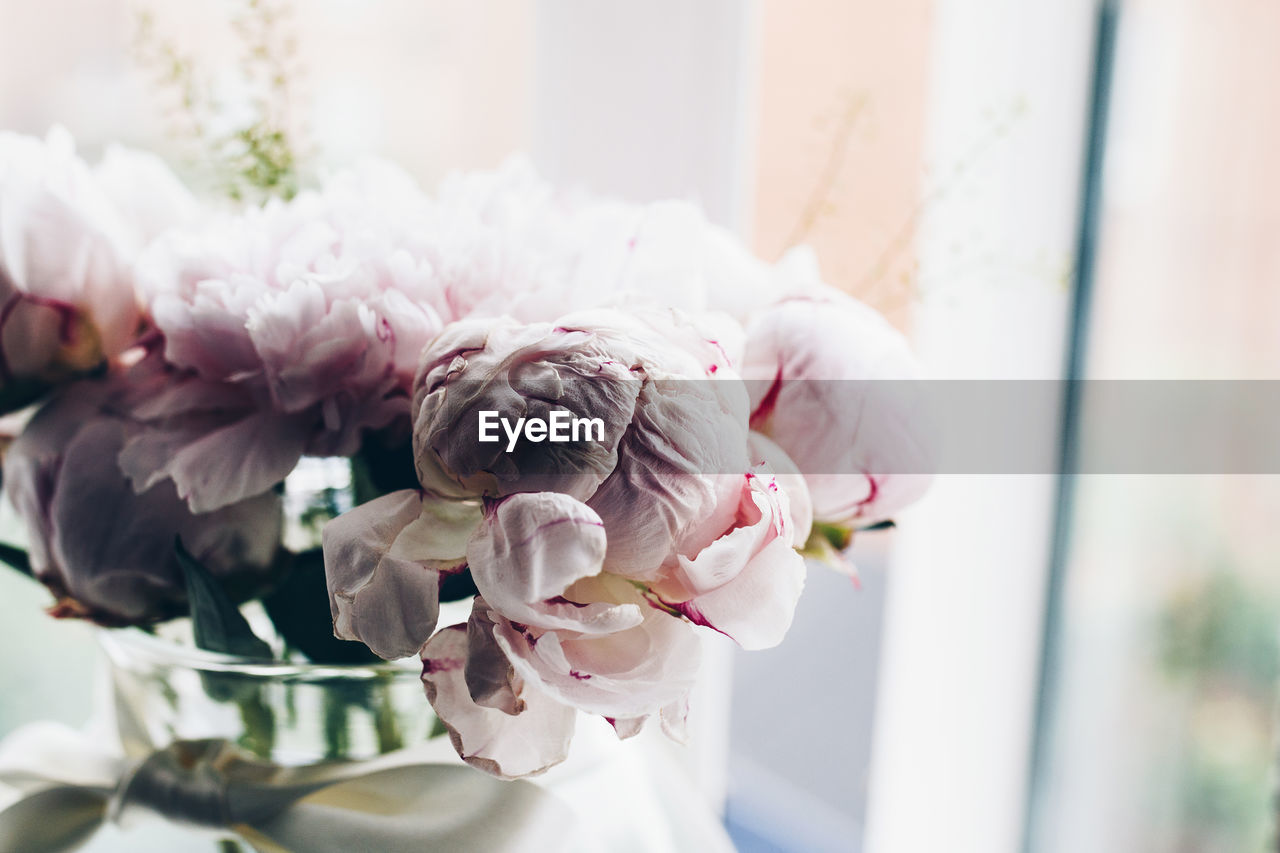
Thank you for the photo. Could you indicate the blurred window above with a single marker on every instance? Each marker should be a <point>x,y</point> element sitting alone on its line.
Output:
<point>1161,728</point>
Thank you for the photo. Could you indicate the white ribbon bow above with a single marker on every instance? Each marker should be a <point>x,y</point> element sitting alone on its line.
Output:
<point>68,786</point>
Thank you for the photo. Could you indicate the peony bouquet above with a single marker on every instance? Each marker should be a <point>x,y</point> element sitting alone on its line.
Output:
<point>607,425</point>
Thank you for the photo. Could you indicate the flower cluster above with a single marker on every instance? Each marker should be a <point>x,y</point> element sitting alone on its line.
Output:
<point>188,356</point>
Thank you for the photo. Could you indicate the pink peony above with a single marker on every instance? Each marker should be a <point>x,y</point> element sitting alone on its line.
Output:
<point>106,551</point>
<point>68,237</point>
<point>301,324</point>
<point>594,561</point>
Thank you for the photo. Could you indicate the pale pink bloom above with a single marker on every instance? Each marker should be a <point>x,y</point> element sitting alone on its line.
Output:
<point>106,551</point>
<point>69,235</point>
<point>510,244</point>
<point>315,310</point>
<point>833,390</point>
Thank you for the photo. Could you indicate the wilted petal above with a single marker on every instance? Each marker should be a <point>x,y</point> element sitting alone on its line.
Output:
<point>384,592</point>
<point>502,744</point>
<point>491,679</point>
<point>530,550</point>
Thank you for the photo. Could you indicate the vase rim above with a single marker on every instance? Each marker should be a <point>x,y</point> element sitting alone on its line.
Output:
<point>134,646</point>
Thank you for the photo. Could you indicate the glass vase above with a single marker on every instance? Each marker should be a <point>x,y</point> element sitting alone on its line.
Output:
<point>289,713</point>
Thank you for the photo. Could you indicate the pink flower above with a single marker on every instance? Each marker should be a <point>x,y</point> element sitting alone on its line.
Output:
<point>833,392</point>
<point>106,551</point>
<point>312,310</point>
<point>68,238</point>
<point>507,243</point>
<point>594,561</point>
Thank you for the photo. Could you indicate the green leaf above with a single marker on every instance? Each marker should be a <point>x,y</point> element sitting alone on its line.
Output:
<point>837,536</point>
<point>16,558</point>
<point>299,608</point>
<point>215,619</point>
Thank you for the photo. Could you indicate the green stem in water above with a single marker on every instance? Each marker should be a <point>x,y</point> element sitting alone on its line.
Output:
<point>259,722</point>
<point>336,713</point>
<point>385,721</point>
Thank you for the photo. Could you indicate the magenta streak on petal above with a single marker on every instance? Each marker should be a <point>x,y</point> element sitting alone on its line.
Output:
<point>524,632</point>
<point>713,368</point>
<point>581,676</point>
<point>687,609</point>
<point>430,666</point>
<point>768,404</point>
<point>875,490</point>
<point>558,521</point>
<point>560,599</point>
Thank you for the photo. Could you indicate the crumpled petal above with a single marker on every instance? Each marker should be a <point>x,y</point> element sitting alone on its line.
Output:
<point>518,371</point>
<point>530,550</point>
<point>505,745</point>
<point>627,674</point>
<point>671,477</point>
<point>383,563</point>
<point>491,679</point>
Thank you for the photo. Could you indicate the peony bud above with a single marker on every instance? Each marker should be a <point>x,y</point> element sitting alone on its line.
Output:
<point>832,385</point>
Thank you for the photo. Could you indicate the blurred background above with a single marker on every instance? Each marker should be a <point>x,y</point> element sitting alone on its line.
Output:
<point>1079,189</point>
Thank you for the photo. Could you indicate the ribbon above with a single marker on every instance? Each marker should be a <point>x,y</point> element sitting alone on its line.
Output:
<point>68,785</point>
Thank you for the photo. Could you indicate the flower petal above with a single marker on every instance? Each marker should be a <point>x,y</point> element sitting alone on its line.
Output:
<point>530,550</point>
<point>377,594</point>
<point>502,744</point>
<point>627,674</point>
<point>757,606</point>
